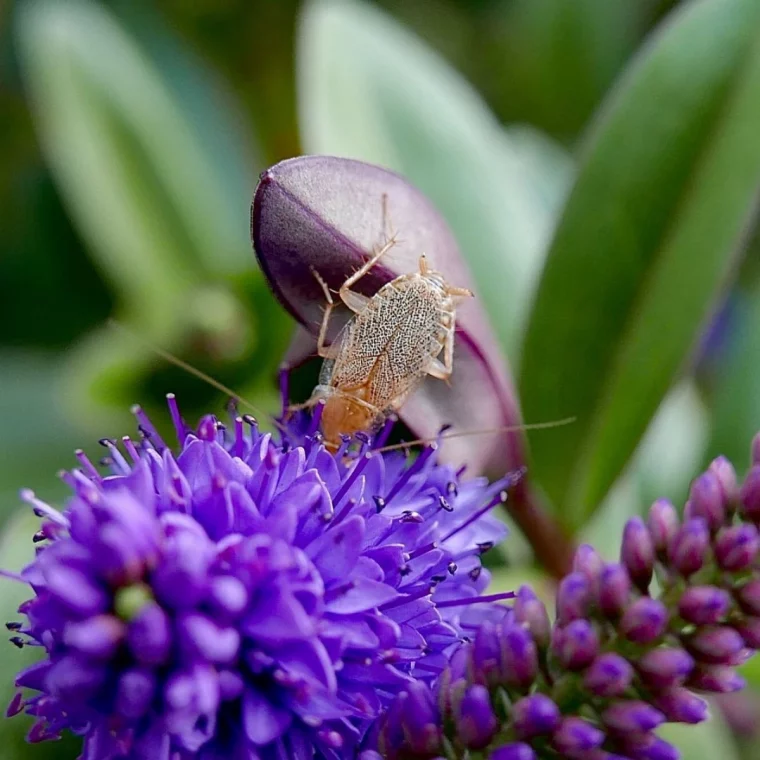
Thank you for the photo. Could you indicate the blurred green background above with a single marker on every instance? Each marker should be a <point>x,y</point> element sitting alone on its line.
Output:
<point>132,136</point>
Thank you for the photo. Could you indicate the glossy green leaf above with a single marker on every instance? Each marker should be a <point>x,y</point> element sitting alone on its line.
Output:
<point>369,89</point>
<point>736,401</point>
<point>650,234</point>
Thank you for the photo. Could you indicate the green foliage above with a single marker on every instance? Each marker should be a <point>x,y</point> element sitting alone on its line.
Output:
<point>649,235</point>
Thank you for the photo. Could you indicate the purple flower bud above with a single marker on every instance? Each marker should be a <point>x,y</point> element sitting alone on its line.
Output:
<point>476,723</point>
<point>530,611</point>
<point>663,523</point>
<point>96,637</point>
<point>573,598</point>
<point>648,747</point>
<point>485,654</point>
<point>588,562</point>
<point>707,500</point>
<point>609,675</point>
<point>680,705</point>
<point>748,597</point>
<point>576,736</point>
<point>704,605</point>
<point>689,546</point>
<point>615,590</point>
<point>305,215</point>
<point>726,474</point>
<point>149,635</point>
<point>420,720</point>
<point>737,547</point>
<point>644,621</point>
<point>749,629</point>
<point>632,716</point>
<point>749,494</point>
<point>715,645</point>
<point>519,657</point>
<point>536,715</point>
<point>637,552</point>
<point>665,667</point>
<point>720,679</point>
<point>576,645</point>
<point>515,751</point>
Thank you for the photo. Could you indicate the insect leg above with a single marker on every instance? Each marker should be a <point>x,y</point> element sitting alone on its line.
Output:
<point>326,352</point>
<point>461,292</point>
<point>443,370</point>
<point>355,301</point>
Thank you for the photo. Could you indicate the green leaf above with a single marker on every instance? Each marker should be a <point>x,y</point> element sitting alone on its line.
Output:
<point>665,462</point>
<point>736,400</point>
<point>127,129</point>
<point>369,89</point>
<point>559,57</point>
<point>649,237</point>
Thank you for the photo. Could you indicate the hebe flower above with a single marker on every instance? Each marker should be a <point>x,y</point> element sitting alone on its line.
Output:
<point>252,596</point>
<point>619,661</point>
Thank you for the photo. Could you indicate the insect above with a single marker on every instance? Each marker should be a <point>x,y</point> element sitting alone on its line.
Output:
<point>382,355</point>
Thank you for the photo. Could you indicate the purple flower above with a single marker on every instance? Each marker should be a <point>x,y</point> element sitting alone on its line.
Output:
<point>252,595</point>
<point>620,661</point>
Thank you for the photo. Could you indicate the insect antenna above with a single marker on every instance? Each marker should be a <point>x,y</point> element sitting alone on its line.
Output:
<point>481,431</point>
<point>236,398</point>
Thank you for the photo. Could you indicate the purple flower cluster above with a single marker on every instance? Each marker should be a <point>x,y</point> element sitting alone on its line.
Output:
<point>620,659</point>
<point>253,596</point>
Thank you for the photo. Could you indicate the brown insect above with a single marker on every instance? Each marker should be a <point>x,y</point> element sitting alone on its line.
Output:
<point>383,354</point>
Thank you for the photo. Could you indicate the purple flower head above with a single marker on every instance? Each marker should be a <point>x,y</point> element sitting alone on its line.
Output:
<point>252,595</point>
<point>621,659</point>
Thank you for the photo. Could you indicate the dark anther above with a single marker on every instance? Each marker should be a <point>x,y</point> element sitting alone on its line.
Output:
<point>17,641</point>
<point>107,442</point>
<point>443,504</point>
<point>409,516</point>
<point>452,567</point>
<point>438,578</point>
<point>13,626</point>
<point>451,488</point>
<point>38,512</point>
<point>426,650</point>
<point>362,437</point>
<point>475,573</point>
<point>38,536</point>
<point>146,434</point>
<point>379,503</point>
<point>220,425</point>
<point>249,419</point>
<point>485,546</point>
<point>404,570</point>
